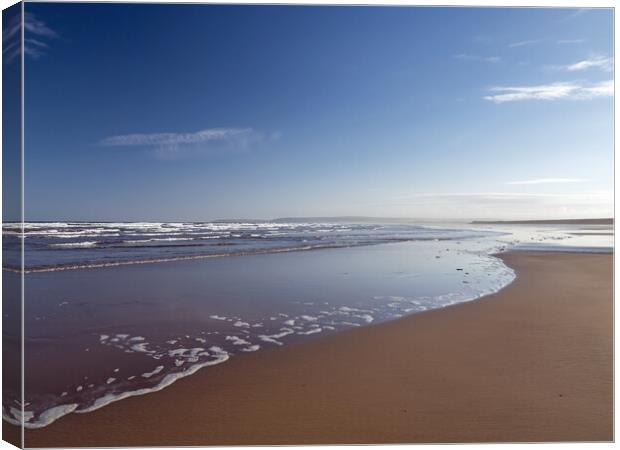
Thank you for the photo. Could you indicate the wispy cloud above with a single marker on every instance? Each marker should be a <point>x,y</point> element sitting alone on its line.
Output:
<point>510,205</point>
<point>576,12</point>
<point>172,144</point>
<point>36,33</point>
<point>37,27</point>
<point>598,62</point>
<point>155,139</point>
<point>523,43</point>
<point>11,39</point>
<point>549,181</point>
<point>498,195</point>
<point>602,89</point>
<point>468,57</point>
<point>553,91</point>
<point>570,41</point>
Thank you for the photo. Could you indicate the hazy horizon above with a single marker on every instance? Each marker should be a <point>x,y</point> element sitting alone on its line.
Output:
<point>351,219</point>
<point>203,112</point>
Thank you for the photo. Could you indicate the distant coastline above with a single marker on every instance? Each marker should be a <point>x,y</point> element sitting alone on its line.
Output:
<point>608,221</point>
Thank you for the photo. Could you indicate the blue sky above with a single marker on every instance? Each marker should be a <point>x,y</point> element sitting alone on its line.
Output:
<point>194,112</point>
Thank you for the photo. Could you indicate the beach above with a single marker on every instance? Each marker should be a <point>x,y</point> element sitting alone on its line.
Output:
<point>237,228</point>
<point>532,362</point>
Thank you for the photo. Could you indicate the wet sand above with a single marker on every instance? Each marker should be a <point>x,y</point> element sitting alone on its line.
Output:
<point>531,363</point>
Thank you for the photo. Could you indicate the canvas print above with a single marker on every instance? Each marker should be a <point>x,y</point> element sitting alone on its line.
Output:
<point>303,224</point>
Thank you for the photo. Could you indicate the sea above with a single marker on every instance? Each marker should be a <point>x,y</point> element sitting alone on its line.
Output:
<point>119,309</point>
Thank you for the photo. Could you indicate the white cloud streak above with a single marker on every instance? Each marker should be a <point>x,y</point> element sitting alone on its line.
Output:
<point>602,89</point>
<point>467,57</point>
<point>170,145</point>
<point>548,181</point>
<point>507,205</point>
<point>37,27</point>
<point>35,34</point>
<point>570,41</point>
<point>553,91</point>
<point>523,43</point>
<point>166,139</point>
<point>499,195</point>
<point>574,14</point>
<point>598,62</point>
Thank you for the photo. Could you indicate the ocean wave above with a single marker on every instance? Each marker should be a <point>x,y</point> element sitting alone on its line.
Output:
<point>83,244</point>
<point>144,243</point>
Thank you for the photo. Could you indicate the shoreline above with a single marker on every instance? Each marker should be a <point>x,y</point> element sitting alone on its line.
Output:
<point>279,395</point>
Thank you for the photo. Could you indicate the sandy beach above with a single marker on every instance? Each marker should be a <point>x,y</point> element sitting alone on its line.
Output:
<point>530,363</point>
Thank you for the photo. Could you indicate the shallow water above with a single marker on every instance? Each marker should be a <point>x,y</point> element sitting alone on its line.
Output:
<point>97,335</point>
<point>582,238</point>
<point>50,246</point>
